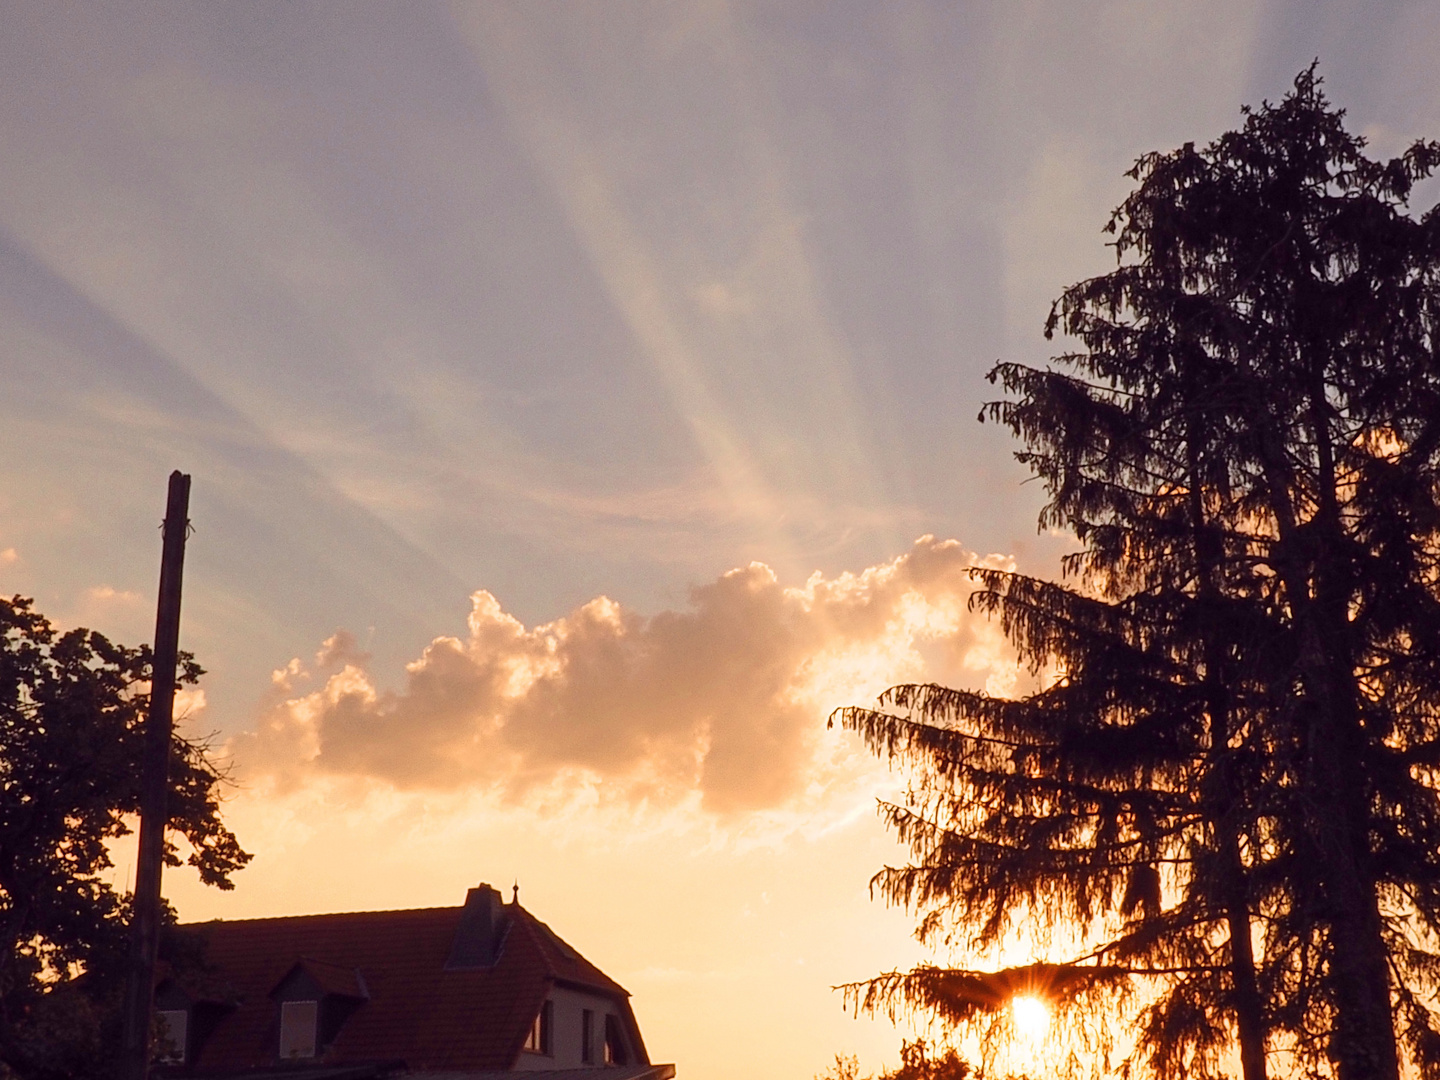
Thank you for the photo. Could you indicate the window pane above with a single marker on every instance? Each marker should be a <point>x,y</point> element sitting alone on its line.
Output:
<point>297,1028</point>
<point>538,1038</point>
<point>614,1042</point>
<point>170,1045</point>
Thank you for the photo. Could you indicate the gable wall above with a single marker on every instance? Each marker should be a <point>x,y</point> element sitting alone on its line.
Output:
<point>565,1040</point>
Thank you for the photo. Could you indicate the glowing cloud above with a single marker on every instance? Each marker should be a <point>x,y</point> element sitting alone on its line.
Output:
<point>726,698</point>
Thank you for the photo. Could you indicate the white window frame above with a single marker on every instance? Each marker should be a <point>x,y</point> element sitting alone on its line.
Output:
<point>174,1030</point>
<point>299,1030</point>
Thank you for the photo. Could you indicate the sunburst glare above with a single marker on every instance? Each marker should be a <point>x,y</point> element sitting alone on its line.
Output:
<point>1031,1017</point>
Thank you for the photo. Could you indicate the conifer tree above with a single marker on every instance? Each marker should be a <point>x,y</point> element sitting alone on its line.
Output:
<point>1229,774</point>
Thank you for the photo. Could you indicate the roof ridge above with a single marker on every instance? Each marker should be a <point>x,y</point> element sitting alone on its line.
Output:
<point>320,915</point>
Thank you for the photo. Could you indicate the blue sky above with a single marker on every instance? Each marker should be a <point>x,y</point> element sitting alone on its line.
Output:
<point>570,301</point>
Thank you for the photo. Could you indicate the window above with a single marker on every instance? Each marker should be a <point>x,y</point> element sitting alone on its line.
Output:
<point>538,1039</point>
<point>614,1042</point>
<point>170,1037</point>
<point>297,1028</point>
<point>587,1036</point>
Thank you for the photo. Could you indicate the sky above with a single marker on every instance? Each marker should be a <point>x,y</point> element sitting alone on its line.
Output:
<point>581,403</point>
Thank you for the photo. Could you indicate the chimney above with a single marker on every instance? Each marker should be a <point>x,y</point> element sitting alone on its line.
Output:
<point>481,932</point>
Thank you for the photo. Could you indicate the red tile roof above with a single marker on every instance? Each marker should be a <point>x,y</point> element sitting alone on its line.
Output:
<point>414,1009</point>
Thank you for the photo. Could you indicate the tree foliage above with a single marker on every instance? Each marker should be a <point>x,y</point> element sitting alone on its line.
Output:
<point>72,707</point>
<point>1227,779</point>
<point>918,1061</point>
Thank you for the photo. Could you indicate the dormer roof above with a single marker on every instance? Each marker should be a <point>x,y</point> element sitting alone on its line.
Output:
<point>333,980</point>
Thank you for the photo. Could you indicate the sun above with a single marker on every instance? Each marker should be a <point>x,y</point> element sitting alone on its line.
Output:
<point>1031,1017</point>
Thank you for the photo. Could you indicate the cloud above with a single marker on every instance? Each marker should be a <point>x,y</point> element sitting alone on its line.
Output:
<point>189,703</point>
<point>108,594</point>
<point>725,698</point>
<point>121,614</point>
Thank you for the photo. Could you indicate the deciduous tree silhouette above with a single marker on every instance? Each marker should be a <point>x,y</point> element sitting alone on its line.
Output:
<point>1229,775</point>
<point>72,707</point>
<point>918,1061</point>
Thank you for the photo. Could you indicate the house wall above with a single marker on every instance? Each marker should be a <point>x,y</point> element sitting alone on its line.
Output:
<point>565,1039</point>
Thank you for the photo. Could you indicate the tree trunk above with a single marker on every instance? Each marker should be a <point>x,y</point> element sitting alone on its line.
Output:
<point>1363,1042</point>
<point>1245,990</point>
<point>1249,1008</point>
<point>1336,783</point>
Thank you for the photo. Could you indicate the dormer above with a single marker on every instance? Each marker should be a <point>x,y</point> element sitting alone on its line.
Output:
<point>186,1015</point>
<point>480,937</point>
<point>313,1000</point>
<point>175,1033</point>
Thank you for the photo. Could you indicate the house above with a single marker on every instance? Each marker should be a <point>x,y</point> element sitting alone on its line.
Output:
<point>464,993</point>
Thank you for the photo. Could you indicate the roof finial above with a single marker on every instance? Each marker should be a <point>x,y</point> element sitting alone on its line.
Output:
<point>515,892</point>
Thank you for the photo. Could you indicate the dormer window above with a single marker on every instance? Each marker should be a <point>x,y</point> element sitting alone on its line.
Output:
<point>299,1021</point>
<point>184,1019</point>
<point>537,1040</point>
<point>315,998</point>
<point>614,1042</point>
<point>170,1039</point>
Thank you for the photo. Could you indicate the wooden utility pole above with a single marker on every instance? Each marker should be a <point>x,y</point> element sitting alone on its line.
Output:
<point>145,916</point>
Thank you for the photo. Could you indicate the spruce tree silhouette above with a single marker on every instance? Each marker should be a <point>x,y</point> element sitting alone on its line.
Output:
<point>1228,776</point>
